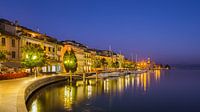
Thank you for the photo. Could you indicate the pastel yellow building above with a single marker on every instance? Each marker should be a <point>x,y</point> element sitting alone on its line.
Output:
<point>14,37</point>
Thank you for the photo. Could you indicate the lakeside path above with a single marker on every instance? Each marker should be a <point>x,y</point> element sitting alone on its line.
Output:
<point>9,91</point>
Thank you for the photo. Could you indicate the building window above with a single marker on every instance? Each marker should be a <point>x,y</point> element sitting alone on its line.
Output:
<point>59,48</point>
<point>3,41</point>
<point>13,54</point>
<point>58,58</point>
<point>26,43</point>
<point>45,48</point>
<point>53,49</point>
<point>49,49</point>
<point>53,68</point>
<point>13,42</point>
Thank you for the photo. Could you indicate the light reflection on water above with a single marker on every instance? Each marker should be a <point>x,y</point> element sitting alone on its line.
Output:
<point>62,97</point>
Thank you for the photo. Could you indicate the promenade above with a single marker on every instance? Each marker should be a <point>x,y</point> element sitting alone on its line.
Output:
<point>9,90</point>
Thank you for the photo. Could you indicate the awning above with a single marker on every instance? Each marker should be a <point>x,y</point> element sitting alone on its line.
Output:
<point>12,64</point>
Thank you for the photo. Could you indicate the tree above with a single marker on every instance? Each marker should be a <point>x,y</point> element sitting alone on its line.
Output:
<point>96,64</point>
<point>167,67</point>
<point>115,64</point>
<point>2,56</point>
<point>104,63</point>
<point>70,62</point>
<point>33,56</point>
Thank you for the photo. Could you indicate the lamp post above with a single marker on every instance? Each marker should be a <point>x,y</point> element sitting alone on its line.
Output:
<point>34,58</point>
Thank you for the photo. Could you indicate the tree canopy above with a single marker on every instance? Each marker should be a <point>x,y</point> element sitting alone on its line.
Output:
<point>70,61</point>
<point>2,56</point>
<point>96,63</point>
<point>33,56</point>
<point>104,63</point>
<point>115,64</point>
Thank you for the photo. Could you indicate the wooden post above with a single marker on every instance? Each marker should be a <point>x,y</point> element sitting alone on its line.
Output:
<point>96,77</point>
<point>83,77</point>
<point>70,76</point>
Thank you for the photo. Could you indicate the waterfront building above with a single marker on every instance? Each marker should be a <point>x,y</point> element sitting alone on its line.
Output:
<point>15,37</point>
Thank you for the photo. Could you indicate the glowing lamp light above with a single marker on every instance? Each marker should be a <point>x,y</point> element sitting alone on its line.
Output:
<point>26,55</point>
<point>34,57</point>
<point>67,62</point>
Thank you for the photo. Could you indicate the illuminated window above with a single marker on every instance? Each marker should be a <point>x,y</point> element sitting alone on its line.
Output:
<point>53,68</point>
<point>44,69</point>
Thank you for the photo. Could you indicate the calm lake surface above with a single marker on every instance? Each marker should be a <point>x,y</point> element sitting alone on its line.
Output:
<point>156,91</point>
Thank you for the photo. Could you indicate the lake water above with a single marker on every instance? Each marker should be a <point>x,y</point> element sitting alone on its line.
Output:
<point>156,91</point>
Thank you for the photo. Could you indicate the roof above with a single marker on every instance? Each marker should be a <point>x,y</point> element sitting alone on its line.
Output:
<point>72,42</point>
<point>48,38</point>
<point>7,33</point>
<point>15,24</point>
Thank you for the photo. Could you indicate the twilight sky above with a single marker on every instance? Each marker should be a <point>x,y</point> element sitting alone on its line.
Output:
<point>168,31</point>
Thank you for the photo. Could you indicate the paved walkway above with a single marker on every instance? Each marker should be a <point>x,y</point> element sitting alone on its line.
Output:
<point>9,90</point>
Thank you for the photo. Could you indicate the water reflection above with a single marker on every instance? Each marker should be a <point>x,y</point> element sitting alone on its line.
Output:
<point>64,97</point>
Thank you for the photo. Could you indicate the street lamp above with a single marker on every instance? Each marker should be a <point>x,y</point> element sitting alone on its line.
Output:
<point>34,57</point>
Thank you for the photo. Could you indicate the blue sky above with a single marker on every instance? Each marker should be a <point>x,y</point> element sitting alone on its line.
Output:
<point>165,30</point>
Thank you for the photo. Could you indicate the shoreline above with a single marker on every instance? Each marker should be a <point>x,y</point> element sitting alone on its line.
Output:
<point>25,87</point>
<point>26,91</point>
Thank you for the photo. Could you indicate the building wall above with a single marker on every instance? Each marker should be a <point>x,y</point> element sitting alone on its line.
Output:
<point>11,46</point>
<point>88,62</point>
<point>26,37</point>
<point>80,55</point>
<point>53,50</point>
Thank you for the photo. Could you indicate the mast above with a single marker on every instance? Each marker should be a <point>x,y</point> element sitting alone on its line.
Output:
<point>136,58</point>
